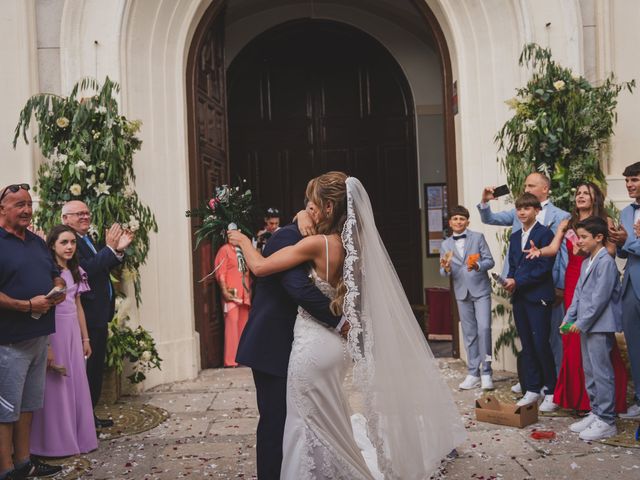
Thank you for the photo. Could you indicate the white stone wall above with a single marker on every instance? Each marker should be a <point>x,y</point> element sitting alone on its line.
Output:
<point>49,44</point>
<point>19,80</point>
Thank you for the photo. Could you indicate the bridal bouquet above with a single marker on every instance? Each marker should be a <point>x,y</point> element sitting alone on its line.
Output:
<point>230,208</point>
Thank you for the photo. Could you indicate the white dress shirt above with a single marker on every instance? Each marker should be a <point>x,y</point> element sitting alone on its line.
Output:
<point>543,213</point>
<point>592,258</point>
<point>460,243</point>
<point>525,236</point>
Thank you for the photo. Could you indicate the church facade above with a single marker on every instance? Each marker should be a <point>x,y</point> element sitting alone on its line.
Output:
<point>404,94</point>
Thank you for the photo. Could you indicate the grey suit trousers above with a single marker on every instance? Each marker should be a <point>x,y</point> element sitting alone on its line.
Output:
<point>598,374</point>
<point>475,318</point>
<point>631,328</point>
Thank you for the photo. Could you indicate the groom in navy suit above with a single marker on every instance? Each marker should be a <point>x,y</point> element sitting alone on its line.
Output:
<point>266,342</point>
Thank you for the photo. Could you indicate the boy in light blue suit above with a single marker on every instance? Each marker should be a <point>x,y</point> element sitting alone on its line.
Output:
<point>466,257</point>
<point>595,313</point>
<point>627,239</point>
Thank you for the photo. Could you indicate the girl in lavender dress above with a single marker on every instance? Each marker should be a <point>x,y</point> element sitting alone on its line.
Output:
<point>65,424</point>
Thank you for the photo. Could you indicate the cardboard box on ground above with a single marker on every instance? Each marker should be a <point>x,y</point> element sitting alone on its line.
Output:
<point>489,409</point>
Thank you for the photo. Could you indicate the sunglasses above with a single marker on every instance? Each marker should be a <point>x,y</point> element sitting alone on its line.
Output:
<point>14,189</point>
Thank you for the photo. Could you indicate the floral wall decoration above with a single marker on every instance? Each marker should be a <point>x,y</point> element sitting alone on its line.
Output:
<point>561,126</point>
<point>89,147</point>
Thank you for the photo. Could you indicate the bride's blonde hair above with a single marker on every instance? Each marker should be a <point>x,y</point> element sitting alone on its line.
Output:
<point>331,188</point>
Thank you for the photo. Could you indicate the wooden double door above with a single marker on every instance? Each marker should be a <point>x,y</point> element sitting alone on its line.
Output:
<point>305,98</point>
<point>313,96</point>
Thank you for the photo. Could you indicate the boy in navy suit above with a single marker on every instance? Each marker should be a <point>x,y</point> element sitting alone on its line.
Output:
<point>595,313</point>
<point>530,282</point>
<point>467,258</point>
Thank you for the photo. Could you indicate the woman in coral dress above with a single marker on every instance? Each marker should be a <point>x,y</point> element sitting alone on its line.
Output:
<point>235,288</point>
<point>65,425</point>
<point>570,392</point>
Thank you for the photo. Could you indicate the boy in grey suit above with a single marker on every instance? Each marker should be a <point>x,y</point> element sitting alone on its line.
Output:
<point>466,257</point>
<point>596,313</point>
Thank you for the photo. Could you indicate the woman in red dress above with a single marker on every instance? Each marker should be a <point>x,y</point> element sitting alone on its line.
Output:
<point>570,391</point>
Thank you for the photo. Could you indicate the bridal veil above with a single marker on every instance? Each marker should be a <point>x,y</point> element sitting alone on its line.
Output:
<point>412,419</point>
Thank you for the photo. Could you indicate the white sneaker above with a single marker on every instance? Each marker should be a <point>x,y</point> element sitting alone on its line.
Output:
<point>486,382</point>
<point>582,425</point>
<point>598,430</point>
<point>632,412</point>
<point>516,388</point>
<point>529,397</point>
<point>469,383</point>
<point>547,404</point>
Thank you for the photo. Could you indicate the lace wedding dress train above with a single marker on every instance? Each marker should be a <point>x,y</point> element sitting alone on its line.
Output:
<point>318,437</point>
<point>411,420</point>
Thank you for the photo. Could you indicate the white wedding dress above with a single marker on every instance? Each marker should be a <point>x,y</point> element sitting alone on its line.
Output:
<point>409,415</point>
<point>318,438</point>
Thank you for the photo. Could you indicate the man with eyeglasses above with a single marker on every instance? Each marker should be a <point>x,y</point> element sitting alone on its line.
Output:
<point>27,317</point>
<point>99,303</point>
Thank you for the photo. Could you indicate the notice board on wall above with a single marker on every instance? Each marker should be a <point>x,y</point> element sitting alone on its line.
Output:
<point>435,208</point>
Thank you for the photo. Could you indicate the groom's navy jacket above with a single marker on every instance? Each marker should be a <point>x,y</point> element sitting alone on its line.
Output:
<point>266,341</point>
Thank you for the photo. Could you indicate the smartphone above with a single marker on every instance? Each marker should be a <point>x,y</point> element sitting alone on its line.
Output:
<point>501,191</point>
<point>55,292</point>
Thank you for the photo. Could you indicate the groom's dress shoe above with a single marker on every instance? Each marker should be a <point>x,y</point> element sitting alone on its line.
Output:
<point>103,423</point>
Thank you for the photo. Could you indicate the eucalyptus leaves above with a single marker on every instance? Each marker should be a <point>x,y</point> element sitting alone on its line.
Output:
<point>89,147</point>
<point>560,126</point>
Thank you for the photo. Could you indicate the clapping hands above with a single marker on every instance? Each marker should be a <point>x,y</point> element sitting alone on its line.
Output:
<point>118,238</point>
<point>619,235</point>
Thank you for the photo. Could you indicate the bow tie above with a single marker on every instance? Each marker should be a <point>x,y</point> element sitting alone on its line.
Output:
<point>460,237</point>
<point>635,206</point>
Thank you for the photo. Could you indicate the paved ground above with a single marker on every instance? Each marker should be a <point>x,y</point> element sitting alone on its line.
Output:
<point>210,434</point>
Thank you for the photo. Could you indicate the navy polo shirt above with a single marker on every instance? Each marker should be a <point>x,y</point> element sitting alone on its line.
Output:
<point>26,270</point>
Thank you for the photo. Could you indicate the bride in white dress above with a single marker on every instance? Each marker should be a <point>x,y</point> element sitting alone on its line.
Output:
<point>411,418</point>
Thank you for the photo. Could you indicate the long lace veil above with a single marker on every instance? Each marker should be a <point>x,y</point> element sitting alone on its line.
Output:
<point>412,419</point>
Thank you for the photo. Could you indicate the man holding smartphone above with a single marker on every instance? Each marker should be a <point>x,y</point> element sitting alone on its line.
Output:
<point>550,216</point>
<point>27,274</point>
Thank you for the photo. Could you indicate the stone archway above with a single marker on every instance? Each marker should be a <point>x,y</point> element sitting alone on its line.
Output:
<point>145,44</point>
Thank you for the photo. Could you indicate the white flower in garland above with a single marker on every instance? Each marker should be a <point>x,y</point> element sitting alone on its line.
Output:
<point>102,189</point>
<point>62,122</point>
<point>559,85</point>
<point>81,164</point>
<point>128,191</point>
<point>146,356</point>
<point>134,224</point>
<point>75,190</point>
<point>91,180</point>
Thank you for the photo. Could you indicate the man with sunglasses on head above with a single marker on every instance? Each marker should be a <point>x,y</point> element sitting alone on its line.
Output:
<point>99,302</point>
<point>27,308</point>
